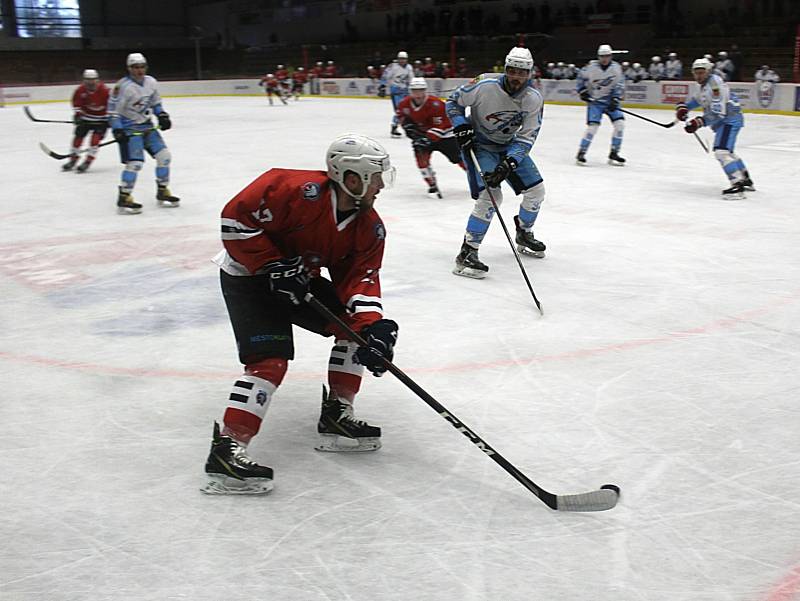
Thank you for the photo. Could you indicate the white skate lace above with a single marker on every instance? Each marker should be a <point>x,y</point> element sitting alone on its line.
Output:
<point>242,457</point>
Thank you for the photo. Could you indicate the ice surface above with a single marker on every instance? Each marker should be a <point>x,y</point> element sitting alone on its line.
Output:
<point>667,362</point>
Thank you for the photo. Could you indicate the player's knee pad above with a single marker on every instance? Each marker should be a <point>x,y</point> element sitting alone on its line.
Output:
<point>134,166</point>
<point>344,374</point>
<point>724,156</point>
<point>163,157</point>
<point>532,198</point>
<point>619,127</point>
<point>591,130</point>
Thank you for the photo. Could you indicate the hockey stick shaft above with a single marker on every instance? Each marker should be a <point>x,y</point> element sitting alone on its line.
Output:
<point>505,230</point>
<point>703,145</point>
<point>643,118</point>
<point>32,118</point>
<point>59,157</point>
<point>598,500</point>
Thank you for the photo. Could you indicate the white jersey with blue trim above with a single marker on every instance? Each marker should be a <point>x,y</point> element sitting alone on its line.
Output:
<point>131,103</point>
<point>510,122</point>
<point>397,76</point>
<point>719,104</point>
<point>603,82</point>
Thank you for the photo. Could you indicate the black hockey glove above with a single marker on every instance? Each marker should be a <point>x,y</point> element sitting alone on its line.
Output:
<point>500,173</point>
<point>163,121</point>
<point>382,91</point>
<point>681,112</point>
<point>613,104</point>
<point>694,124</point>
<point>76,118</point>
<point>381,337</point>
<point>465,136</point>
<point>119,135</point>
<point>422,143</point>
<point>585,95</point>
<point>288,278</point>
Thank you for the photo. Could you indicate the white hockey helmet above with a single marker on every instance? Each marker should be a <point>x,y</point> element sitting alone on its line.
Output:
<point>550,65</point>
<point>637,65</point>
<point>626,64</point>
<point>571,65</point>
<point>560,64</point>
<point>402,54</point>
<point>708,56</point>
<point>330,62</point>
<point>519,58</point>
<point>280,67</point>
<point>702,63</point>
<point>136,58</point>
<point>722,54</point>
<point>604,50</point>
<point>90,74</point>
<point>765,67</point>
<point>361,155</point>
<point>672,55</point>
<point>320,63</point>
<point>418,83</point>
<point>656,59</point>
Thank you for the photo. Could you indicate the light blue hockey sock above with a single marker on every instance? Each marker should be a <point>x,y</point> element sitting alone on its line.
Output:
<point>162,175</point>
<point>527,218</point>
<point>476,230</point>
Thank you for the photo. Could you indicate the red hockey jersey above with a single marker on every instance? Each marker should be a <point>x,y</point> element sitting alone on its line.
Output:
<point>288,212</point>
<point>300,77</point>
<point>91,106</point>
<point>429,118</point>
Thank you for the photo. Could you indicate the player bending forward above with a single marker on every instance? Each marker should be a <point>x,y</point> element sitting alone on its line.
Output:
<point>134,97</point>
<point>723,114</point>
<point>424,120</point>
<point>601,85</point>
<point>505,117</point>
<point>278,233</point>
<point>272,87</point>
<point>89,102</point>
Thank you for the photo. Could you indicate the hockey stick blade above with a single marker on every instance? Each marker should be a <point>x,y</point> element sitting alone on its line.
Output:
<point>32,118</point>
<point>597,500</point>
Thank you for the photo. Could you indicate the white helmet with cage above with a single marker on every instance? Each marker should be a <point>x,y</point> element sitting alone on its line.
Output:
<point>519,58</point>
<point>360,155</point>
<point>136,58</point>
<point>418,83</point>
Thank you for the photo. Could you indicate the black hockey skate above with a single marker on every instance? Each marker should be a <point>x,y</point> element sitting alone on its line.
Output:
<point>395,133</point>
<point>468,264</point>
<point>526,243</point>
<point>82,168</point>
<point>735,192</point>
<point>231,472</point>
<point>126,205</point>
<point>73,160</point>
<point>434,189</point>
<point>615,159</point>
<point>165,197</point>
<point>580,158</point>
<point>340,431</point>
<point>748,183</point>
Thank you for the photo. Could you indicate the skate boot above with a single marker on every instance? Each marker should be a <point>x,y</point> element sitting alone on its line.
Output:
<point>165,197</point>
<point>231,472</point>
<point>70,163</point>
<point>434,189</point>
<point>85,165</point>
<point>468,264</point>
<point>526,243</point>
<point>735,192</point>
<point>395,133</point>
<point>748,183</point>
<point>340,431</point>
<point>615,159</point>
<point>126,205</point>
<point>580,158</point>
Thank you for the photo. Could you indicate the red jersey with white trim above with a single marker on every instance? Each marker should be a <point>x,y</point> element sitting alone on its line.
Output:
<point>317,72</point>
<point>300,77</point>
<point>282,74</point>
<point>429,117</point>
<point>91,106</point>
<point>291,212</point>
<point>330,71</point>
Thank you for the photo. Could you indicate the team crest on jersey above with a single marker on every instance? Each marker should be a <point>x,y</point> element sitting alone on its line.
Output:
<point>506,121</point>
<point>261,397</point>
<point>311,190</point>
<point>380,231</point>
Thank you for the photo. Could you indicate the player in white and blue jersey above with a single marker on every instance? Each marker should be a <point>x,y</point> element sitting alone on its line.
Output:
<point>601,84</point>
<point>133,100</point>
<point>397,76</point>
<point>722,112</point>
<point>501,128</point>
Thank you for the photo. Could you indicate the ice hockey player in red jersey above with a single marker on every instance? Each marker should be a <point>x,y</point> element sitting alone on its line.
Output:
<point>331,70</point>
<point>317,72</point>
<point>278,233</point>
<point>424,120</point>
<point>299,79</point>
<point>272,87</point>
<point>89,102</point>
<point>428,67</point>
<point>281,73</point>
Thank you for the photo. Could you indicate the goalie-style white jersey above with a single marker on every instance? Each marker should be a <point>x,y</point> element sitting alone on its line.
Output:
<point>603,83</point>
<point>501,121</point>
<point>131,103</point>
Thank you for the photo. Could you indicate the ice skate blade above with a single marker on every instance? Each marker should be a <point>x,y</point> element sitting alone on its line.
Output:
<point>168,204</point>
<point>333,443</point>
<point>580,163</point>
<point>737,196</point>
<point>224,485</point>
<point>615,163</point>
<point>128,210</point>
<point>524,250</point>
<point>469,272</point>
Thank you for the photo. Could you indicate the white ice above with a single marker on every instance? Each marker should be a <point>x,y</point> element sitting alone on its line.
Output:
<point>666,362</point>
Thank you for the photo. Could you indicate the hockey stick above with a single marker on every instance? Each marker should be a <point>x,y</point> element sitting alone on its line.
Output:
<point>700,141</point>
<point>597,500</point>
<point>58,156</point>
<point>643,118</point>
<point>32,118</point>
<point>505,230</point>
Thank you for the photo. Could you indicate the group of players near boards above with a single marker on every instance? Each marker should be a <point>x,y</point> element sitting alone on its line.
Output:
<point>283,228</point>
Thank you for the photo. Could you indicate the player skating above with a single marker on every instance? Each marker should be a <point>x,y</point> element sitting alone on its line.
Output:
<point>278,233</point>
<point>505,117</point>
<point>723,114</point>
<point>132,101</point>
<point>601,84</point>
<point>396,78</point>
<point>90,103</point>
<point>424,120</point>
<point>299,79</point>
<point>272,87</point>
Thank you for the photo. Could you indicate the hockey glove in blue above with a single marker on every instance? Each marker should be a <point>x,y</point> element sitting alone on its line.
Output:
<point>500,173</point>
<point>694,124</point>
<point>163,121</point>
<point>381,337</point>
<point>465,136</point>
<point>288,278</point>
